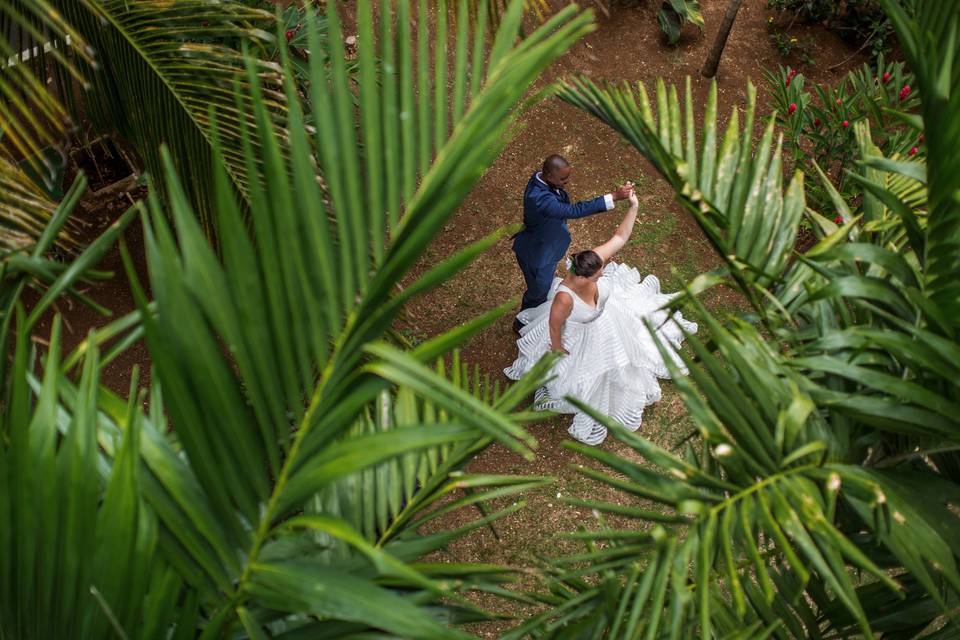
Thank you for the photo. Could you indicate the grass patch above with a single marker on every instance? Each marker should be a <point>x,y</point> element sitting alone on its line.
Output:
<point>651,230</point>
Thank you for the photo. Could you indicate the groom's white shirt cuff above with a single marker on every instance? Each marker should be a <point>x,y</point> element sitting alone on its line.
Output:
<point>609,200</point>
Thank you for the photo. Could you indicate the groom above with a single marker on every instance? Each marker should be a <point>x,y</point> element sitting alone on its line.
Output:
<point>545,238</point>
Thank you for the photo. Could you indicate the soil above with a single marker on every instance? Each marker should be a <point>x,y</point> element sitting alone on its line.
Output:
<point>627,45</point>
<point>101,162</point>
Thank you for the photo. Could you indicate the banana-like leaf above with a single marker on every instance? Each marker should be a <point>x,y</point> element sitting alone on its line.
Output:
<point>674,13</point>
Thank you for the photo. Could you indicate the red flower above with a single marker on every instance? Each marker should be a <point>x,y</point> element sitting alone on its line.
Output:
<point>839,102</point>
<point>845,124</point>
<point>205,24</point>
<point>838,220</point>
<point>886,77</point>
<point>289,35</point>
<point>816,122</point>
<point>791,108</point>
<point>912,152</point>
<point>788,81</point>
<point>905,91</point>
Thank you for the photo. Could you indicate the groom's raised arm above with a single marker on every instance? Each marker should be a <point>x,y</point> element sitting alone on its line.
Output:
<point>551,207</point>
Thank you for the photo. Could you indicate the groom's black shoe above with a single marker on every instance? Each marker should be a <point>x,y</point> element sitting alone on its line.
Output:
<point>517,325</point>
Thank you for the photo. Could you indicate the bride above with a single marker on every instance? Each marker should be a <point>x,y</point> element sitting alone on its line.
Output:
<point>595,315</point>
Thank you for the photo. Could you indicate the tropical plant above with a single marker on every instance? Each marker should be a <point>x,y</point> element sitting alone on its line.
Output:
<point>674,13</point>
<point>33,120</point>
<point>862,22</point>
<point>148,74</point>
<point>820,124</point>
<point>816,496</point>
<point>276,483</point>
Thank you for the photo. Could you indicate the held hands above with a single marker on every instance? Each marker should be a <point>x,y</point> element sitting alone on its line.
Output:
<point>624,192</point>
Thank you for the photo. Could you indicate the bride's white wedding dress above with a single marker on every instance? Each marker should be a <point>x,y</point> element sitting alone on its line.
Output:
<point>614,363</point>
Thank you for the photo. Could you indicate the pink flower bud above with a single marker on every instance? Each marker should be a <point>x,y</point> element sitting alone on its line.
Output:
<point>791,108</point>
<point>886,77</point>
<point>838,220</point>
<point>839,102</point>
<point>845,124</point>
<point>816,122</point>
<point>905,91</point>
<point>912,152</point>
<point>289,35</point>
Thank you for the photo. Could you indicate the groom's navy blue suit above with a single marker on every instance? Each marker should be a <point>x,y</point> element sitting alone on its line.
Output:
<point>545,237</point>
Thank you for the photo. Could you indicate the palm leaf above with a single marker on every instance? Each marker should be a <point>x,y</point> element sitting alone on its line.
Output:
<point>34,119</point>
<point>79,559</point>
<point>160,70</point>
<point>735,193</point>
<point>299,302</point>
<point>777,518</point>
<point>930,44</point>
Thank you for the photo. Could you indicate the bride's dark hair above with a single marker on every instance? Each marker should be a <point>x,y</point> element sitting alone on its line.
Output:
<point>586,263</point>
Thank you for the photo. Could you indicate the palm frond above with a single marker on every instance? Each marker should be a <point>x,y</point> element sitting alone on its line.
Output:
<point>34,119</point>
<point>735,193</point>
<point>267,358</point>
<point>794,514</point>
<point>931,44</point>
<point>162,68</point>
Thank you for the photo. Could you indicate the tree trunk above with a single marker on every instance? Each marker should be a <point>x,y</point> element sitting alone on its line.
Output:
<point>713,60</point>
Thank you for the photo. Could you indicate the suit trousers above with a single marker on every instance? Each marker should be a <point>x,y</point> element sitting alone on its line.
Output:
<point>538,279</point>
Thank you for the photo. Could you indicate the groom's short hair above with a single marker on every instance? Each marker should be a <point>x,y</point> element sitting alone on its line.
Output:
<point>553,163</point>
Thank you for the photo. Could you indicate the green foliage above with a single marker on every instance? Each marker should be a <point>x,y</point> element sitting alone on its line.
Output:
<point>289,453</point>
<point>818,497</point>
<point>791,45</point>
<point>161,68</point>
<point>735,194</point>
<point>34,120</point>
<point>148,73</point>
<point>862,22</point>
<point>675,13</point>
<point>819,120</point>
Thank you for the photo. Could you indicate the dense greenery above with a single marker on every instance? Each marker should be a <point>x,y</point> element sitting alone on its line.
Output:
<point>290,451</point>
<point>817,495</point>
<point>861,22</point>
<point>819,122</point>
<point>273,477</point>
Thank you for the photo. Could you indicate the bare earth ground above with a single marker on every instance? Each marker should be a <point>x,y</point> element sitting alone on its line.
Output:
<point>626,46</point>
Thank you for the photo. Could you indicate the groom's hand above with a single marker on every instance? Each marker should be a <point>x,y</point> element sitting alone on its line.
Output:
<point>623,192</point>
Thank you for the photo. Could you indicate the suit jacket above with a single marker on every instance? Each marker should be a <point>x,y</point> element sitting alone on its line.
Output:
<point>545,237</point>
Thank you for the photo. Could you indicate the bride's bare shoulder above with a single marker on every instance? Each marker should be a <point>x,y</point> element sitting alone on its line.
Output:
<point>562,299</point>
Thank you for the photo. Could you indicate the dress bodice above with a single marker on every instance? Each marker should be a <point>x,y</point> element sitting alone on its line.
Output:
<point>583,312</point>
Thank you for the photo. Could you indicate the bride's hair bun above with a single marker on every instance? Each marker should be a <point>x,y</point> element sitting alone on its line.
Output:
<point>585,264</point>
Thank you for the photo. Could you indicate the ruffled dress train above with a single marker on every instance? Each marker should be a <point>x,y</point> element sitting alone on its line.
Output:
<point>613,363</point>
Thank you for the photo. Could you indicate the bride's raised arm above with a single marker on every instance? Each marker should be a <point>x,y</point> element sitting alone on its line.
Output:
<point>609,248</point>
